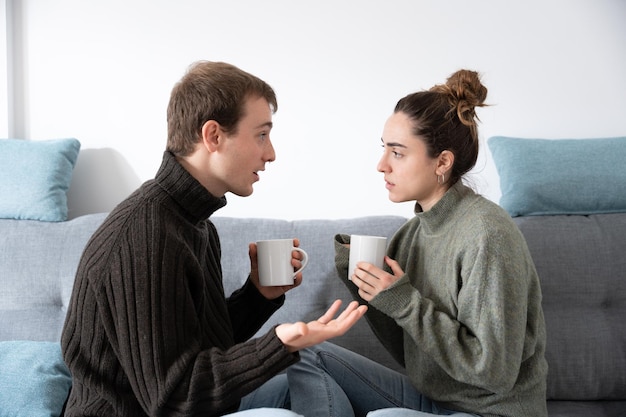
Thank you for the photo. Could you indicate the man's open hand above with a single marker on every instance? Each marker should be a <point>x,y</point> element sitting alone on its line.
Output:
<point>300,335</point>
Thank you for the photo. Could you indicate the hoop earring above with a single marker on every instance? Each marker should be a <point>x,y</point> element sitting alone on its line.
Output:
<point>441,179</point>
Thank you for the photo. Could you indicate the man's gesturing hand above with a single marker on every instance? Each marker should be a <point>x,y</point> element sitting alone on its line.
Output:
<point>300,335</point>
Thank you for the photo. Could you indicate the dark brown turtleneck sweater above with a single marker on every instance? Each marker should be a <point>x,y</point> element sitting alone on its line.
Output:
<point>149,330</point>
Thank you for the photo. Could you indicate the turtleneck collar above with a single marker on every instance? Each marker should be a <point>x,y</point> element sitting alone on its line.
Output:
<point>441,211</point>
<point>182,187</point>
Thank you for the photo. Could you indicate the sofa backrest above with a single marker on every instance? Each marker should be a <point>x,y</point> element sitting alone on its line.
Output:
<point>581,262</point>
<point>38,261</point>
<point>321,285</point>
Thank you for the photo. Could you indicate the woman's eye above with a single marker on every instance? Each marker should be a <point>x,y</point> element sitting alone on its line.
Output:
<point>395,153</point>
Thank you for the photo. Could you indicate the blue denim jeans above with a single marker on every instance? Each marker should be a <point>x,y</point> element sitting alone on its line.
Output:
<point>269,400</point>
<point>330,381</point>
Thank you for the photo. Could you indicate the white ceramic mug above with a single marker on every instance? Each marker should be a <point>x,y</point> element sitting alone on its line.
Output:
<point>366,249</point>
<point>274,261</point>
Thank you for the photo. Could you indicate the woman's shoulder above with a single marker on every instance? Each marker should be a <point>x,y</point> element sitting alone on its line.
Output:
<point>472,200</point>
<point>490,208</point>
<point>481,214</point>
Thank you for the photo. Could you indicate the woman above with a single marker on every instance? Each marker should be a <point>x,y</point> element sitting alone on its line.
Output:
<point>458,303</point>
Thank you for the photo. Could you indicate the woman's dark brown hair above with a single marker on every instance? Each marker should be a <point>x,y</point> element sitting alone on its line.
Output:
<point>444,118</point>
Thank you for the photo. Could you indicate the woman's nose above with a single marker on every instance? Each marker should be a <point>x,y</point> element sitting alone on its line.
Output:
<point>382,165</point>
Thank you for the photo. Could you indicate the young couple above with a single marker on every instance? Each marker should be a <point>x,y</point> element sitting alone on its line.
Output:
<point>149,330</point>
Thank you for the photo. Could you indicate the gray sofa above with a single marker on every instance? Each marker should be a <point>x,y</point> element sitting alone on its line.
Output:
<point>581,261</point>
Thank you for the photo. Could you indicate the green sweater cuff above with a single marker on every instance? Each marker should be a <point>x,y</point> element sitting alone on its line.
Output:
<point>395,298</point>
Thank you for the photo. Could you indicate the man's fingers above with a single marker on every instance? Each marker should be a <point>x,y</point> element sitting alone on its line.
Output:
<point>330,313</point>
<point>348,310</point>
<point>345,323</point>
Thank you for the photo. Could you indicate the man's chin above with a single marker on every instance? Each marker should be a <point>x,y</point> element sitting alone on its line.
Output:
<point>243,193</point>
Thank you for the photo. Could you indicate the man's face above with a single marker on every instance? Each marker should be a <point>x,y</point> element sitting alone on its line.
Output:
<point>244,153</point>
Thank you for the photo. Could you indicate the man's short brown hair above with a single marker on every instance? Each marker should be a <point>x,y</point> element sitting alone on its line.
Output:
<point>210,91</point>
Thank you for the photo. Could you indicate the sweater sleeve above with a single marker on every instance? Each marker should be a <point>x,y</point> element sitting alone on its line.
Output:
<point>383,326</point>
<point>170,327</point>
<point>249,310</point>
<point>481,343</point>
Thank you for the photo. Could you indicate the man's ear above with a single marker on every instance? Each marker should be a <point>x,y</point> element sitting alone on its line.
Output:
<point>445,160</point>
<point>211,131</point>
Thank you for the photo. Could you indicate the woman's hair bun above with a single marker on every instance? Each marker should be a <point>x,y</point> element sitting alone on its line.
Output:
<point>464,92</point>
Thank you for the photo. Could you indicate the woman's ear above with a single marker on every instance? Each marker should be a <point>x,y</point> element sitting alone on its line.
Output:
<point>445,161</point>
<point>211,131</point>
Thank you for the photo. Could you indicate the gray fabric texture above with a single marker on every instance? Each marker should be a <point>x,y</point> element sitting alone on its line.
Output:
<point>580,260</point>
<point>320,286</point>
<point>586,409</point>
<point>38,261</point>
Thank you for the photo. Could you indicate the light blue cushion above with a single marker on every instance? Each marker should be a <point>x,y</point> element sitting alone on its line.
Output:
<point>35,177</point>
<point>34,380</point>
<point>560,176</point>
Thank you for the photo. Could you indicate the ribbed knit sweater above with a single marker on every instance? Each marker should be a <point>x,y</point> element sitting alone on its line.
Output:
<point>465,319</point>
<point>149,330</point>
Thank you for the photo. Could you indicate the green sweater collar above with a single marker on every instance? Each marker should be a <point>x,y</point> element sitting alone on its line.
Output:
<point>438,215</point>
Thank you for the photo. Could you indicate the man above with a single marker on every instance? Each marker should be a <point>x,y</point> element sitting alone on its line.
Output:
<point>149,330</point>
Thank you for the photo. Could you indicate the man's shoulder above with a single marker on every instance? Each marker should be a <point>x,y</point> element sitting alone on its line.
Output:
<point>134,215</point>
<point>128,234</point>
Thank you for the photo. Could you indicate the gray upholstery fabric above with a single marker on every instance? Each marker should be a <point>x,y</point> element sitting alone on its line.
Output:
<point>581,261</point>
<point>321,285</point>
<point>586,409</point>
<point>38,261</point>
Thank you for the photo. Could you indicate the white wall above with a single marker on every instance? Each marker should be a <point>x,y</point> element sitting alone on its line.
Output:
<point>4,82</point>
<point>102,72</point>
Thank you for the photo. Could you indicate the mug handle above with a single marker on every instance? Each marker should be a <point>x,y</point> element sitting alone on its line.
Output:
<point>305,260</point>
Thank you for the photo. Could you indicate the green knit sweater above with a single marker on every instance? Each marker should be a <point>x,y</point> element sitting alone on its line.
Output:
<point>149,330</point>
<point>466,318</point>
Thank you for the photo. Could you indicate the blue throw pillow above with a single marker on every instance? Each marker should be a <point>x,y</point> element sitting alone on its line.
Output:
<point>560,176</point>
<point>35,177</point>
<point>34,380</point>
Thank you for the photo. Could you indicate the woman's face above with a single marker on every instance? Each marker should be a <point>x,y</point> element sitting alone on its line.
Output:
<point>410,174</point>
